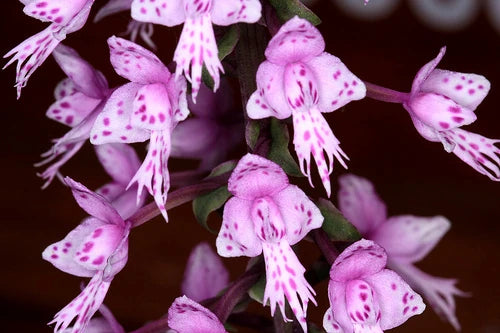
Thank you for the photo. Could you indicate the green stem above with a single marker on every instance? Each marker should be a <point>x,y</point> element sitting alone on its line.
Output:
<point>325,245</point>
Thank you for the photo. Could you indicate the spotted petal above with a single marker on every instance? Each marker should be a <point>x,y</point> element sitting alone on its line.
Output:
<point>227,12</point>
<point>165,12</point>
<point>330,324</point>
<point>426,70</point>
<point>187,316</point>
<point>205,274</point>
<point>151,108</point>
<point>360,204</point>
<point>72,109</point>
<point>362,307</point>
<point>64,88</point>
<point>119,160</point>
<point>60,12</point>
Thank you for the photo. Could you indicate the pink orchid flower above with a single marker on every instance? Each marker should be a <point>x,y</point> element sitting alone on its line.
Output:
<point>79,99</point>
<point>406,239</point>
<point>269,215</point>
<point>205,274</point>
<point>187,316</point>
<point>300,79</point>
<point>197,44</point>
<point>105,324</point>
<point>65,17</point>
<point>441,102</point>
<point>134,28</point>
<point>97,248</point>
<point>364,296</point>
<point>148,107</point>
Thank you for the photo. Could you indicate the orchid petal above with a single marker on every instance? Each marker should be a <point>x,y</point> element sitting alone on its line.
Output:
<point>176,89</point>
<point>329,324</point>
<point>337,297</point>
<point>119,160</point>
<point>285,278</point>
<point>60,12</point>
<point>72,109</point>
<point>112,7</point>
<point>269,100</point>
<point>111,190</point>
<point>237,236</point>
<point>151,108</point>
<point>194,138</point>
<point>362,307</point>
<point>255,177</point>
<point>336,85</point>
<point>187,316</point>
<point>313,135</point>
<point>410,238</point>
<point>64,88</point>
<point>205,274</point>
<point>297,40</point>
<point>360,204</point>
<point>299,213</point>
<point>468,90</point>
<point>227,12</point>
<point>300,87</point>
<point>136,63</point>
<point>128,202</point>
<point>426,70</point>
<point>165,12</point>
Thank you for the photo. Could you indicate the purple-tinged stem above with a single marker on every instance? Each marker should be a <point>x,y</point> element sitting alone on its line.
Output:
<point>177,198</point>
<point>325,245</point>
<point>159,325</point>
<point>385,94</point>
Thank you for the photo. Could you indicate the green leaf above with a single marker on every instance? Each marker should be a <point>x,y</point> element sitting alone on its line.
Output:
<point>286,9</point>
<point>222,168</point>
<point>278,152</point>
<point>207,203</point>
<point>313,328</point>
<point>336,225</point>
<point>252,132</point>
<point>257,291</point>
<point>226,45</point>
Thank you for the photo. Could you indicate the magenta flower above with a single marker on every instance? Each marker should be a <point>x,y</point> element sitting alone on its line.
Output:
<point>268,215</point>
<point>65,17</point>
<point>366,297</point>
<point>197,44</point>
<point>301,80</point>
<point>149,107</point>
<point>205,274</point>
<point>79,99</point>
<point>406,239</point>
<point>106,323</point>
<point>441,102</point>
<point>97,248</point>
<point>187,316</point>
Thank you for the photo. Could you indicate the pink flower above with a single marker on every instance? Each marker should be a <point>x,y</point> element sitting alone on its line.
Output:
<point>97,248</point>
<point>65,17</point>
<point>301,80</point>
<point>205,274</point>
<point>187,316</point>
<point>406,239</point>
<point>148,107</point>
<point>366,297</point>
<point>79,99</point>
<point>441,102</point>
<point>197,44</point>
<point>106,323</point>
<point>268,215</point>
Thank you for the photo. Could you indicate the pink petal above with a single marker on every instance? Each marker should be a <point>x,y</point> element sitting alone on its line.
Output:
<point>477,151</point>
<point>439,112</point>
<point>72,109</point>
<point>135,63</point>
<point>285,278</point>
<point>438,292</point>
<point>111,190</point>
<point>426,70</point>
<point>336,85</point>
<point>83,307</point>
<point>468,90</point>
<point>112,7</point>
<point>300,87</point>
<point>94,204</point>
<point>60,12</point>
<point>197,47</point>
<point>313,135</point>
<point>119,160</point>
<point>64,88</point>
<point>297,40</point>
<point>195,138</point>
<point>205,274</point>
<point>176,90</point>
<point>153,173</point>
<point>187,316</point>
<point>237,235</point>
<point>410,238</point>
<point>360,204</point>
<point>362,307</point>
<point>397,301</point>
<point>337,298</point>
<point>330,324</point>
<point>86,79</point>
<point>165,12</point>
<point>269,99</point>
<point>256,177</point>
<point>227,12</point>
<point>151,108</point>
<point>299,213</point>
<point>61,254</point>
<point>127,203</point>
<point>113,124</point>
<point>358,261</point>
<point>267,220</point>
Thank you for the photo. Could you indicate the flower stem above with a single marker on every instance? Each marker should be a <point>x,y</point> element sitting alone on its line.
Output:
<point>383,94</point>
<point>159,325</point>
<point>325,245</point>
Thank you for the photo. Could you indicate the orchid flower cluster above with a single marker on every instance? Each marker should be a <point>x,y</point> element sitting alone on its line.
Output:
<point>374,284</point>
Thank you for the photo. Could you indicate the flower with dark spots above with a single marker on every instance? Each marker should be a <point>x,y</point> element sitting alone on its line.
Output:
<point>187,316</point>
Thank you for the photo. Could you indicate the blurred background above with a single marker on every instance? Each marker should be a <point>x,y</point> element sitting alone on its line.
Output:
<point>385,43</point>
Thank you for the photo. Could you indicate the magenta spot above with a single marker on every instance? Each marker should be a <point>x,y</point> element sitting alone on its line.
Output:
<point>444,125</point>
<point>54,256</point>
<point>458,119</point>
<point>84,258</point>
<point>471,91</point>
<point>307,135</point>
<point>98,261</point>
<point>106,121</point>
<point>65,105</point>
<point>106,133</point>
<point>97,233</point>
<point>88,246</point>
<point>458,87</point>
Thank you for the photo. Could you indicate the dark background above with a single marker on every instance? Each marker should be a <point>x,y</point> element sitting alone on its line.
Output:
<point>412,175</point>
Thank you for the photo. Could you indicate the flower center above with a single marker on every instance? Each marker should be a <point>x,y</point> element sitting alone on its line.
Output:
<point>267,221</point>
<point>197,7</point>
<point>300,87</point>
